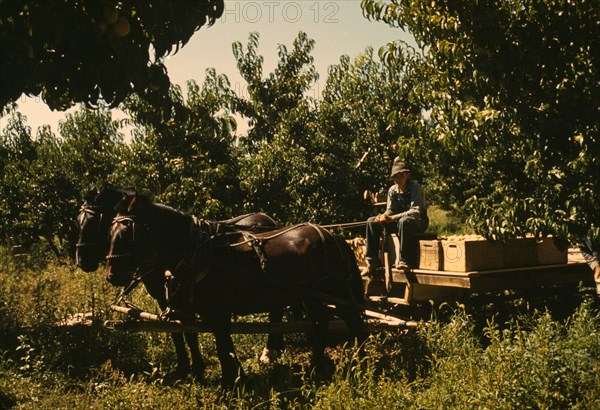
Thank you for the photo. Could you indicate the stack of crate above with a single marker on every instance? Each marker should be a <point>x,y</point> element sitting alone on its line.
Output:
<point>473,253</point>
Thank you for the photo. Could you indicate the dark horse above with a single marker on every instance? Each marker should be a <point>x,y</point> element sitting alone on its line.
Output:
<point>94,220</point>
<point>217,275</point>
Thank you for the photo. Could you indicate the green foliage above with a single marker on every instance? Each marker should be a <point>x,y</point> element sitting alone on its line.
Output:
<point>306,161</point>
<point>445,223</point>
<point>364,112</point>
<point>519,367</point>
<point>280,157</point>
<point>513,88</point>
<point>185,158</point>
<point>278,100</point>
<point>91,51</point>
<point>43,177</point>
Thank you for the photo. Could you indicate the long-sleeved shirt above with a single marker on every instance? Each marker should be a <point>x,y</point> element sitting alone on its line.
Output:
<point>412,202</point>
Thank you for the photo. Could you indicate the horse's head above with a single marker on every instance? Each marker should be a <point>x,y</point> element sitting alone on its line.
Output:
<point>128,240</point>
<point>94,221</point>
<point>88,251</point>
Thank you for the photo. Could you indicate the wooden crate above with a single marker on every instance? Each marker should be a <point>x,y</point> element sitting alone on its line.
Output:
<point>430,255</point>
<point>549,252</point>
<point>390,253</point>
<point>472,255</point>
<point>520,252</point>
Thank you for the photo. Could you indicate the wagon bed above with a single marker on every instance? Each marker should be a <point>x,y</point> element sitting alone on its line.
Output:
<point>406,287</point>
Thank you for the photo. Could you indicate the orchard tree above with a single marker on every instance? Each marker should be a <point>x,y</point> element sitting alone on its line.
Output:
<point>366,109</point>
<point>514,88</point>
<point>273,98</point>
<point>307,161</point>
<point>92,145</point>
<point>86,51</point>
<point>17,152</point>
<point>182,157</point>
<point>276,154</point>
<point>43,177</point>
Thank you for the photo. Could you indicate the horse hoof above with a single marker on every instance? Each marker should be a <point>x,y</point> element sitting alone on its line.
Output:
<point>178,375</point>
<point>323,369</point>
<point>268,356</point>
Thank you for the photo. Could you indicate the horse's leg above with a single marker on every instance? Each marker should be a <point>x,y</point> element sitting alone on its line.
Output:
<point>183,361</point>
<point>274,341</point>
<point>156,289</point>
<point>320,319</point>
<point>198,365</point>
<point>231,369</point>
<point>354,321</point>
<point>353,316</point>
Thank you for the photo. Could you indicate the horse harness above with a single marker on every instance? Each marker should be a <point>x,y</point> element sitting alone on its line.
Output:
<point>197,258</point>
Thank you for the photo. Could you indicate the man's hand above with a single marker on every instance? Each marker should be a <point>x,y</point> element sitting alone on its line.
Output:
<point>381,218</point>
<point>597,274</point>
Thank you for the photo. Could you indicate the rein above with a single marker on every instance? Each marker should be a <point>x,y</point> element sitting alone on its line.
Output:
<point>251,238</point>
<point>345,225</point>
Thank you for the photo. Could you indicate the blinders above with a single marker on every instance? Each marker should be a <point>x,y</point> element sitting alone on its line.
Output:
<point>126,228</point>
<point>126,242</point>
<point>87,214</point>
<point>91,244</point>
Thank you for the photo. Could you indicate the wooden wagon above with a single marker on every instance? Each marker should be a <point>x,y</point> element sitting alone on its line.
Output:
<point>451,271</point>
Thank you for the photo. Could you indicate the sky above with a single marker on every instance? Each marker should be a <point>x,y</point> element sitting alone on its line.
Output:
<point>338,28</point>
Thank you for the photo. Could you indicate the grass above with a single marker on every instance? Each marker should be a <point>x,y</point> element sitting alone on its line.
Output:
<point>518,354</point>
<point>445,223</point>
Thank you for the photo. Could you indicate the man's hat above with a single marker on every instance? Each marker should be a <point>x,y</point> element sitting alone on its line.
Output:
<point>398,167</point>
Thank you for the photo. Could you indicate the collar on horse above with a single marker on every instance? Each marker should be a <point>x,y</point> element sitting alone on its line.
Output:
<point>194,264</point>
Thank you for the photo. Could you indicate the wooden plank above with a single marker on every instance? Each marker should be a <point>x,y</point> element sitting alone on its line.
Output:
<point>422,285</point>
<point>335,326</point>
<point>433,278</point>
<point>376,322</point>
<point>423,293</point>
<point>522,279</point>
<point>456,277</point>
<point>540,268</point>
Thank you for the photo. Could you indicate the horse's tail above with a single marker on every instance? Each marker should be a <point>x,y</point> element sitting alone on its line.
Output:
<point>354,278</point>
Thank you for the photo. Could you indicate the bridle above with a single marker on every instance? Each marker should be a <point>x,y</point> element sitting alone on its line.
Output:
<point>137,277</point>
<point>92,211</point>
<point>124,220</point>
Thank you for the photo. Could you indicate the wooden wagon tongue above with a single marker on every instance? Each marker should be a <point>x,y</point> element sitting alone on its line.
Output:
<point>146,321</point>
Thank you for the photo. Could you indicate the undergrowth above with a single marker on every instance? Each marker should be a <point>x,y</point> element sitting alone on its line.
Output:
<point>465,357</point>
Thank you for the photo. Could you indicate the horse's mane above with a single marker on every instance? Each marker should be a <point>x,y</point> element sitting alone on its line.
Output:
<point>106,197</point>
<point>169,210</point>
<point>142,205</point>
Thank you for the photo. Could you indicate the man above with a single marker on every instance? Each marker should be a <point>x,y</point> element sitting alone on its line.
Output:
<point>406,214</point>
<point>589,250</point>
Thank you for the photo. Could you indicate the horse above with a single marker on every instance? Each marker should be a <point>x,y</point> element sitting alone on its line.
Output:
<point>94,221</point>
<point>220,275</point>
